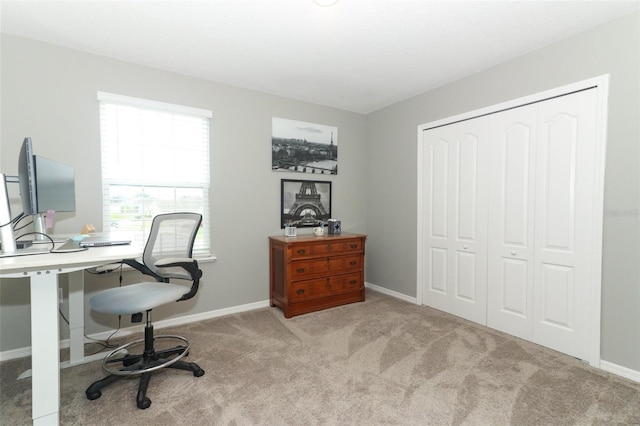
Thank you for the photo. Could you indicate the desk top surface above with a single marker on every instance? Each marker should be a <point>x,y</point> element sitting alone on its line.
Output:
<point>62,262</point>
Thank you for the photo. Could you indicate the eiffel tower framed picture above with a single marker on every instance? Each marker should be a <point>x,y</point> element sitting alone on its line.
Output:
<point>304,203</point>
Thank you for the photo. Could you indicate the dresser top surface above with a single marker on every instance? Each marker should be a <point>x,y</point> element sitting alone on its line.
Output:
<point>312,238</point>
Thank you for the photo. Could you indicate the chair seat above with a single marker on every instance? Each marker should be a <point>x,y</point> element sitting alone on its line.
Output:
<point>134,298</point>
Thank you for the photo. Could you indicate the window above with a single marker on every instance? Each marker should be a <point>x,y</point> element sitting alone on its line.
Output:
<point>155,159</point>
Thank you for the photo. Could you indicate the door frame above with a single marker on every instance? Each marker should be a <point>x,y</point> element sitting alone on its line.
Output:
<point>601,85</point>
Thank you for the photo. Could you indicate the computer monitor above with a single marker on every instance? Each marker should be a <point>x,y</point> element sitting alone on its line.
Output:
<point>27,178</point>
<point>55,186</point>
<point>45,185</point>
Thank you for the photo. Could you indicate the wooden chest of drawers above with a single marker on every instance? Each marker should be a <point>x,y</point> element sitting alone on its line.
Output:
<point>309,273</point>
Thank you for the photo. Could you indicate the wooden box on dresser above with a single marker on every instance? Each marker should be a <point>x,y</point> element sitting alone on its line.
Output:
<point>309,273</point>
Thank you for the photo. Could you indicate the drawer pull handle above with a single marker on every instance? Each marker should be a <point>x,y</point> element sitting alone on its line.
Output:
<point>300,270</point>
<point>300,291</point>
<point>353,281</point>
<point>353,263</point>
<point>301,251</point>
<point>353,246</point>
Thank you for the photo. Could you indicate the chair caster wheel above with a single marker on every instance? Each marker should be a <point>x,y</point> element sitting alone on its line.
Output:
<point>144,404</point>
<point>199,373</point>
<point>93,395</point>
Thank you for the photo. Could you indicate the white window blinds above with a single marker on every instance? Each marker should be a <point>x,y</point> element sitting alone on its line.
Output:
<point>155,159</point>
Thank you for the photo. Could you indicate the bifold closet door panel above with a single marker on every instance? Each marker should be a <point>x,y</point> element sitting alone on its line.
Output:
<point>437,145</point>
<point>455,208</point>
<point>564,236</point>
<point>511,221</point>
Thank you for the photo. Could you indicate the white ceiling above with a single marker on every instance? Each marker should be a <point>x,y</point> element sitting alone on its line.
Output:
<point>358,55</point>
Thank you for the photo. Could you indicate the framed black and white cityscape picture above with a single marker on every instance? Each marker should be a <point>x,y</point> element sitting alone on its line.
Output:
<point>298,146</point>
<point>304,203</point>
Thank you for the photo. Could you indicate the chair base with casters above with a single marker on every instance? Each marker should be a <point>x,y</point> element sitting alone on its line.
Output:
<point>143,364</point>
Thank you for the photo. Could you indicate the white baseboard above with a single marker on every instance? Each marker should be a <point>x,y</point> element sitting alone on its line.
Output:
<point>392,293</point>
<point>26,351</point>
<point>620,371</point>
<point>22,352</point>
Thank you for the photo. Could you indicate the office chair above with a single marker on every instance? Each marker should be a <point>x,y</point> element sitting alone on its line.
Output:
<point>167,255</point>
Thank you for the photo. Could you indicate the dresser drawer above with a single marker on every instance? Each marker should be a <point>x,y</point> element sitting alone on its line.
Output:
<point>322,248</point>
<point>299,291</point>
<point>322,287</point>
<point>346,263</point>
<point>301,269</point>
<point>336,284</point>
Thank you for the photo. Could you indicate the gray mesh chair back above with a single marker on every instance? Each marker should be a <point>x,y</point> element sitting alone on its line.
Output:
<point>172,235</point>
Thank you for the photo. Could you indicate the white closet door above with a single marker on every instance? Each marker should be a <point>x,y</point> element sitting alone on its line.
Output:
<point>566,153</point>
<point>455,207</point>
<point>511,221</point>
<point>511,216</point>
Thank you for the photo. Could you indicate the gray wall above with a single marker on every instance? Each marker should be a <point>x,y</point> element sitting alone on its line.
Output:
<point>614,49</point>
<point>49,93</point>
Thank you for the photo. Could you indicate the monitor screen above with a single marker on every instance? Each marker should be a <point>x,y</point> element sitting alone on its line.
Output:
<point>55,186</point>
<point>27,178</point>
<point>44,184</point>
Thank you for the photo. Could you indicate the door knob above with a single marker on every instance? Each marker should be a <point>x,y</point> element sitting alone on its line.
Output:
<point>465,246</point>
<point>513,252</point>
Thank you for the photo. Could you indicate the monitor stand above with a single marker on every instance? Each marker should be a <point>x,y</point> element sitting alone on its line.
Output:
<point>6,230</point>
<point>9,246</point>
<point>39,227</point>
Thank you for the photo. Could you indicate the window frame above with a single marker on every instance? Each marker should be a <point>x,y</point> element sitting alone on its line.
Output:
<point>110,180</point>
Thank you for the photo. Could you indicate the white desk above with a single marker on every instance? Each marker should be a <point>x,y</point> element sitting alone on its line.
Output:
<point>43,271</point>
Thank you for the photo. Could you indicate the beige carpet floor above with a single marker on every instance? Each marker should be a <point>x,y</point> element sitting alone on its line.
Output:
<point>384,361</point>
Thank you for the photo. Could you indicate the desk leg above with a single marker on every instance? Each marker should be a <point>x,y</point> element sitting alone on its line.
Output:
<point>76,317</point>
<point>45,348</point>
